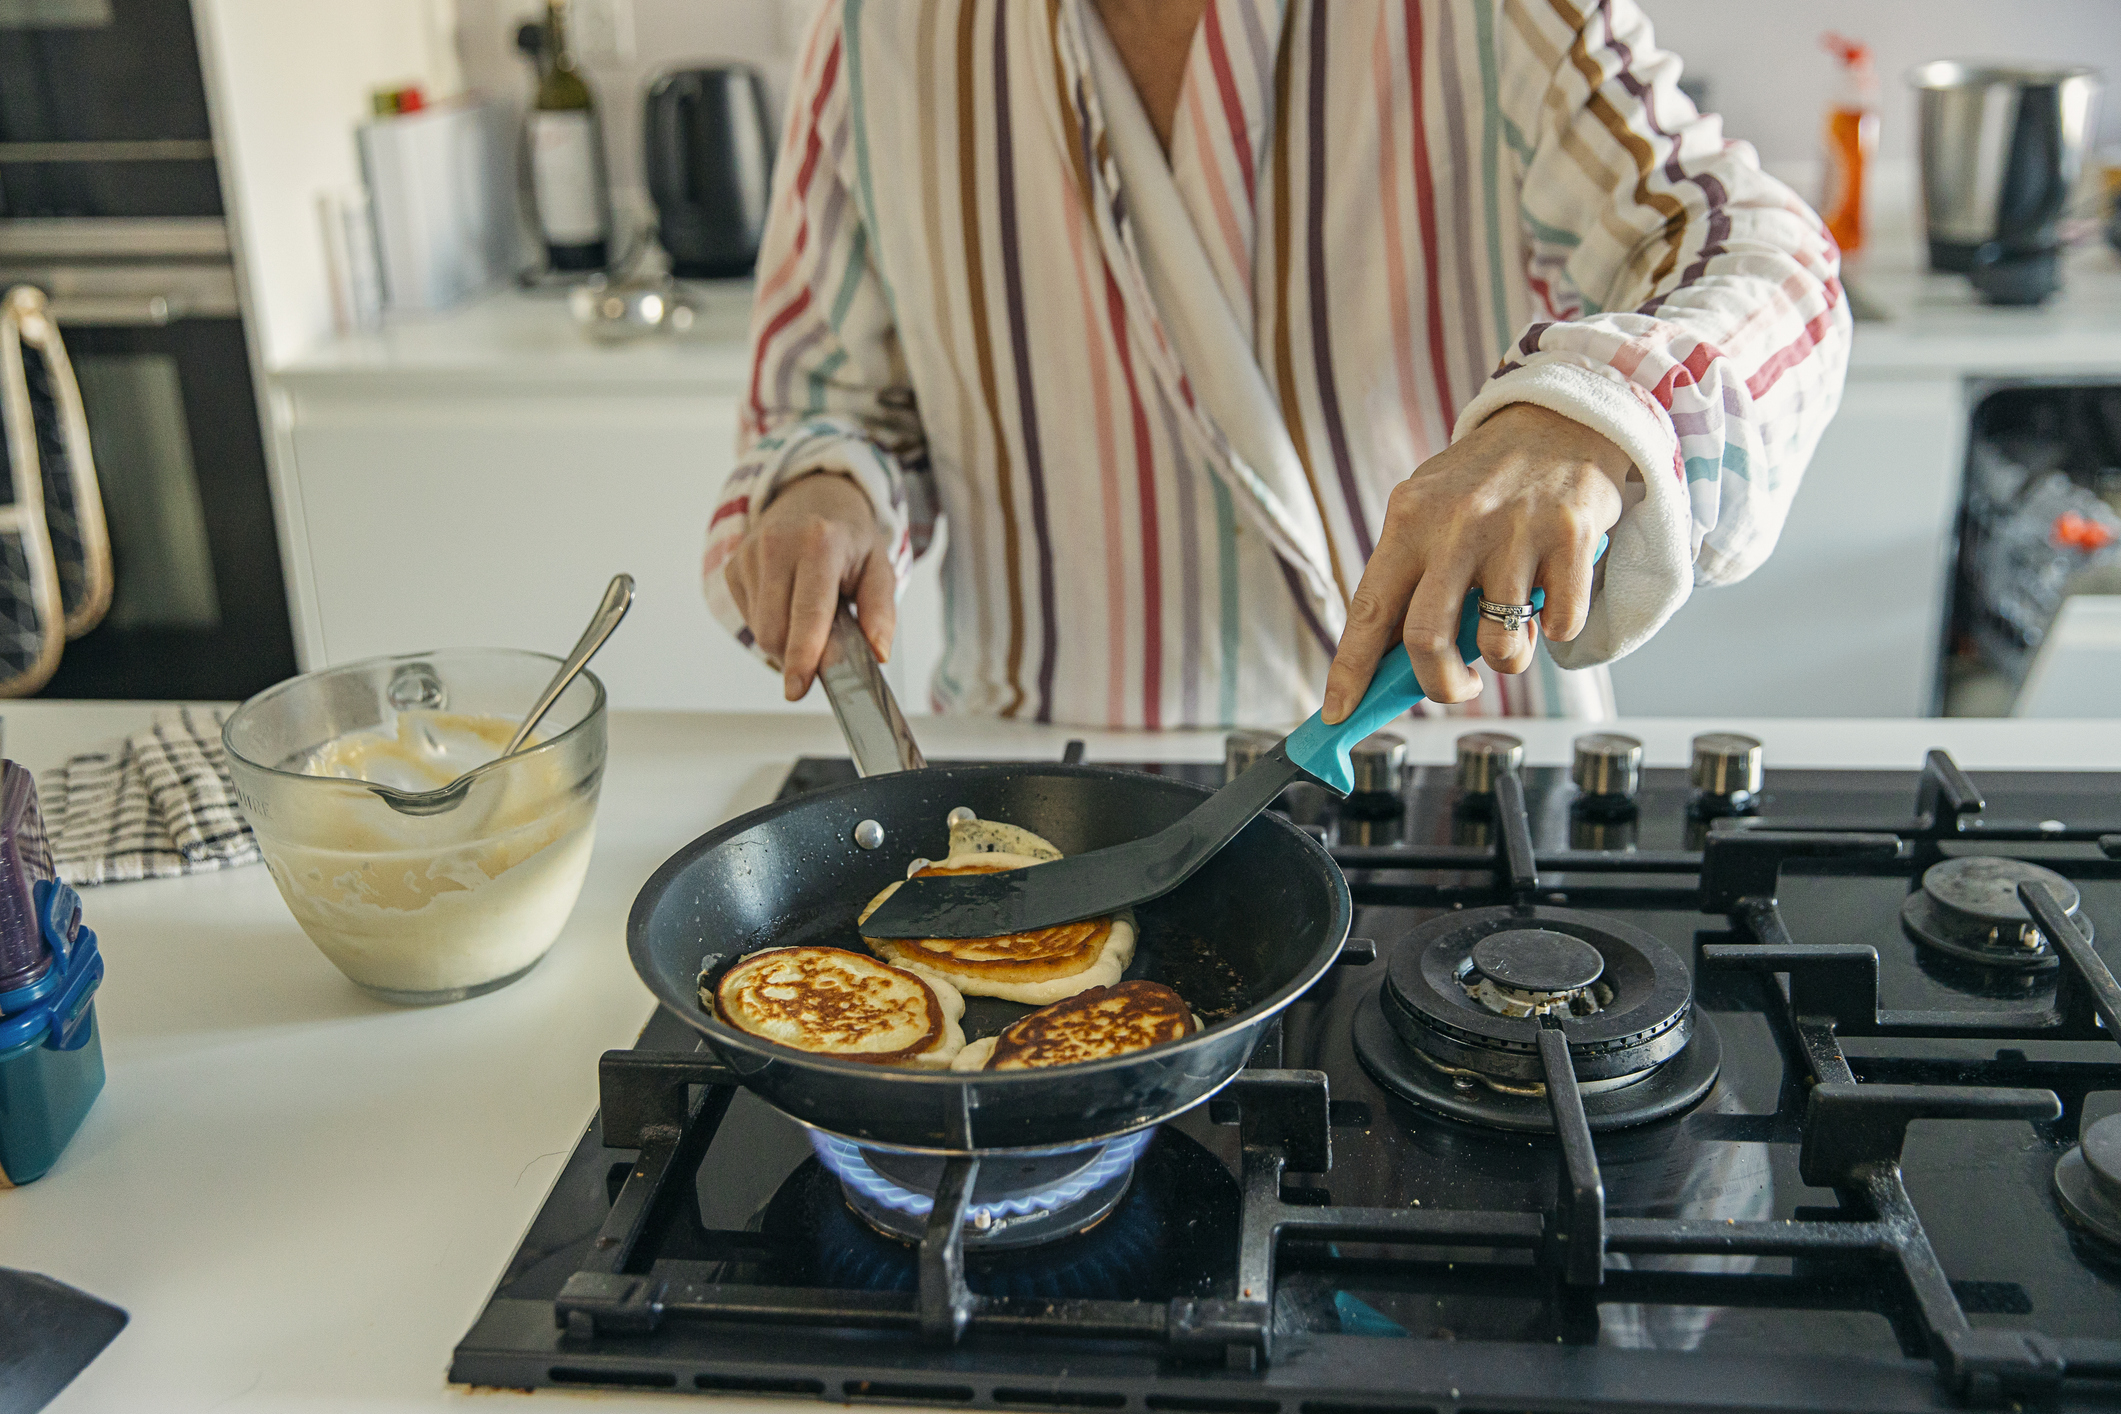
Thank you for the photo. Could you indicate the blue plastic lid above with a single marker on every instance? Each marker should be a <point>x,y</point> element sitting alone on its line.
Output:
<point>59,1018</point>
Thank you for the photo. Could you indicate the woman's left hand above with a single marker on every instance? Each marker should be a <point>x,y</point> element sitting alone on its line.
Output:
<point>1517,503</point>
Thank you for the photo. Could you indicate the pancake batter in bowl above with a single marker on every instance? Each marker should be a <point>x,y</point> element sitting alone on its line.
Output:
<point>433,907</point>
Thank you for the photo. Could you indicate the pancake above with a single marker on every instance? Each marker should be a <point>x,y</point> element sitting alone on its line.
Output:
<point>972,835</point>
<point>832,1002</point>
<point>1035,968</point>
<point>1104,1021</point>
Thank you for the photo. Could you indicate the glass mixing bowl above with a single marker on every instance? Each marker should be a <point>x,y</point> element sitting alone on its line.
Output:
<point>421,894</point>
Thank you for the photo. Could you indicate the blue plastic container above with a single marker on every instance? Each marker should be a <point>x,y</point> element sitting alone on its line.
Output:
<point>51,1059</point>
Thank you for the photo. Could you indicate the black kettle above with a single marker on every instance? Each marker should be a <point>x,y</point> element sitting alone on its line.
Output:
<point>707,141</point>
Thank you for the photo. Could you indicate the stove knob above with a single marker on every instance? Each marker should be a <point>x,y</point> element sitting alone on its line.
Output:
<point>1242,749</point>
<point>1608,766</point>
<point>1485,757</point>
<point>1726,765</point>
<point>1378,759</point>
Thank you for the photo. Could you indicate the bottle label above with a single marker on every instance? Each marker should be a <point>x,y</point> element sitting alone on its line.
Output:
<point>563,170</point>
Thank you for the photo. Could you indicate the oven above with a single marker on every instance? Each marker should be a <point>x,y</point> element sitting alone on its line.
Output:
<point>110,203</point>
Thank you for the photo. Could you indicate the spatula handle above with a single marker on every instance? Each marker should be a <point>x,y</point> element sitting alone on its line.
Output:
<point>1322,750</point>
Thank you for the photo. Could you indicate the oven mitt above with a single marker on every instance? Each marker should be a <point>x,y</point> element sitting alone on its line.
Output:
<point>32,614</point>
<point>73,498</point>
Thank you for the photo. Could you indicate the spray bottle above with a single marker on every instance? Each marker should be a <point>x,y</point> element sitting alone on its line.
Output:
<point>1851,138</point>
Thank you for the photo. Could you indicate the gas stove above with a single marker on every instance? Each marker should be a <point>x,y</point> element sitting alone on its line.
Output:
<point>1720,1088</point>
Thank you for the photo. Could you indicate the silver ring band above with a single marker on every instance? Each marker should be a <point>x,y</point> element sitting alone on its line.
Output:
<point>1512,617</point>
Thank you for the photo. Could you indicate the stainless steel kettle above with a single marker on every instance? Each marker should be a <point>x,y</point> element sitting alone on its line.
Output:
<point>707,142</point>
<point>2002,149</point>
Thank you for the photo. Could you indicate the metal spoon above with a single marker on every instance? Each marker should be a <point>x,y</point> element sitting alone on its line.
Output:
<point>618,598</point>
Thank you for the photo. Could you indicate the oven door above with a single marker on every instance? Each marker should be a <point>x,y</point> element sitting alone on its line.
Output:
<point>200,606</point>
<point>103,111</point>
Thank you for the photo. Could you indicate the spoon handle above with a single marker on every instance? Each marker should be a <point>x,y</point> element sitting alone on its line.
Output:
<point>618,598</point>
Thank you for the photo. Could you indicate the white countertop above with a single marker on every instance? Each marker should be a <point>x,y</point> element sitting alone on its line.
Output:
<point>527,338</point>
<point>303,1196</point>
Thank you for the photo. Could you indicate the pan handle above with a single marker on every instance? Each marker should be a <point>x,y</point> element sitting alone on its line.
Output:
<point>876,731</point>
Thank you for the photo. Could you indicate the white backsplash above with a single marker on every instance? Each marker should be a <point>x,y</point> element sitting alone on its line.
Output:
<point>664,34</point>
<point>1771,80</point>
<point>1768,75</point>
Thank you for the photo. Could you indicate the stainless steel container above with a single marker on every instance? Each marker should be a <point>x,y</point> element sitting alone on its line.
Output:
<point>2002,149</point>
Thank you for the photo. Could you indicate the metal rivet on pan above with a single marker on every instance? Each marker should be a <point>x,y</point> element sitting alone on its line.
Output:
<point>916,866</point>
<point>869,834</point>
<point>961,816</point>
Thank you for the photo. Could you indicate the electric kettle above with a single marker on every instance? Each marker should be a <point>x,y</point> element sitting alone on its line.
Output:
<point>707,141</point>
<point>2002,149</point>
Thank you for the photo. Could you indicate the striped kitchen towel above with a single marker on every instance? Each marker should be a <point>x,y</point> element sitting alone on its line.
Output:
<point>154,806</point>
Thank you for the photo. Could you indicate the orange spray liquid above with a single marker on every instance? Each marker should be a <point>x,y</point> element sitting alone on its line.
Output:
<point>1851,138</point>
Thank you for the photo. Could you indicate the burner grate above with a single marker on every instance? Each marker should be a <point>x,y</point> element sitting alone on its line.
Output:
<point>685,1323</point>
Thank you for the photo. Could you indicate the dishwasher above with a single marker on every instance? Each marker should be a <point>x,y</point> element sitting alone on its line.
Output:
<point>2034,623</point>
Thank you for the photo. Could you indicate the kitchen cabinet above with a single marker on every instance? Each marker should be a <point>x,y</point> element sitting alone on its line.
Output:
<point>492,518</point>
<point>487,512</point>
<point>441,498</point>
<point>1845,618</point>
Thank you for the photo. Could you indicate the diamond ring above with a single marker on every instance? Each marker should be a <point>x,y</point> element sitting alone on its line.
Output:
<point>1512,617</point>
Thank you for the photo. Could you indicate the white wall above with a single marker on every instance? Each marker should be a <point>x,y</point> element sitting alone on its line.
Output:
<point>665,34</point>
<point>1771,81</point>
<point>288,80</point>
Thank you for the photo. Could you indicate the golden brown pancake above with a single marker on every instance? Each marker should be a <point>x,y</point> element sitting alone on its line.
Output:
<point>1032,968</point>
<point>832,1002</point>
<point>1104,1021</point>
<point>1039,956</point>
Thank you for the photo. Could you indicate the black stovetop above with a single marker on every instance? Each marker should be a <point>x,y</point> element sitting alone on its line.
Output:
<point>1860,1214</point>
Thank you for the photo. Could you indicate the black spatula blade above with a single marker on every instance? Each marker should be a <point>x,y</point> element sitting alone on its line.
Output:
<point>1084,885</point>
<point>48,1334</point>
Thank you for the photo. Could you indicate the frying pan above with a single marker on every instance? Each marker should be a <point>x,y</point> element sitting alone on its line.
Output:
<point>1240,940</point>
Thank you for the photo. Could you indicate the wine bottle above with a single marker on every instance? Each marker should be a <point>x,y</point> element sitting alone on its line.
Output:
<point>567,158</point>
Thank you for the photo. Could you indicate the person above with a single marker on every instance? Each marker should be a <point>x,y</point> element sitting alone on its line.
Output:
<point>1232,341</point>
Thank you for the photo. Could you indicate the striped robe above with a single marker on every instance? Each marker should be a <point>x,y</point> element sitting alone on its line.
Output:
<point>1420,211</point>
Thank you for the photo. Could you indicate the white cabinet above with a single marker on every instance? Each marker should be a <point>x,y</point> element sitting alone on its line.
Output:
<point>1845,618</point>
<point>471,513</point>
<point>460,511</point>
<point>495,517</point>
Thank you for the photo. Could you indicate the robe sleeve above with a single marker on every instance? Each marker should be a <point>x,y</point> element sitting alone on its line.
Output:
<point>1688,307</point>
<point>828,389</point>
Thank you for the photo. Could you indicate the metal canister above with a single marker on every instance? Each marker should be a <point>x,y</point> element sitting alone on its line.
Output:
<point>2002,147</point>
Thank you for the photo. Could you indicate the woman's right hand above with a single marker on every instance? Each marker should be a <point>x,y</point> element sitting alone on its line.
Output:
<point>817,542</point>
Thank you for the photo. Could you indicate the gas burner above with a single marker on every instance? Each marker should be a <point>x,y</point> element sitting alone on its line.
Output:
<point>2088,1181</point>
<point>1018,1199</point>
<point>1969,908</point>
<point>1173,1234</point>
<point>1455,1025</point>
<point>1535,972</point>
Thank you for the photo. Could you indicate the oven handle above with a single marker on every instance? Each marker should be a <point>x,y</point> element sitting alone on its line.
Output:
<point>114,310</point>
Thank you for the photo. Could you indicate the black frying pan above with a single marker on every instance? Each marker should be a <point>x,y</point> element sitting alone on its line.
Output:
<point>1240,940</point>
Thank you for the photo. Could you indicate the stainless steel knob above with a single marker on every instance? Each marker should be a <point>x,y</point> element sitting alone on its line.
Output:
<point>1607,765</point>
<point>1726,764</point>
<point>1242,749</point>
<point>1378,759</point>
<point>1484,757</point>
